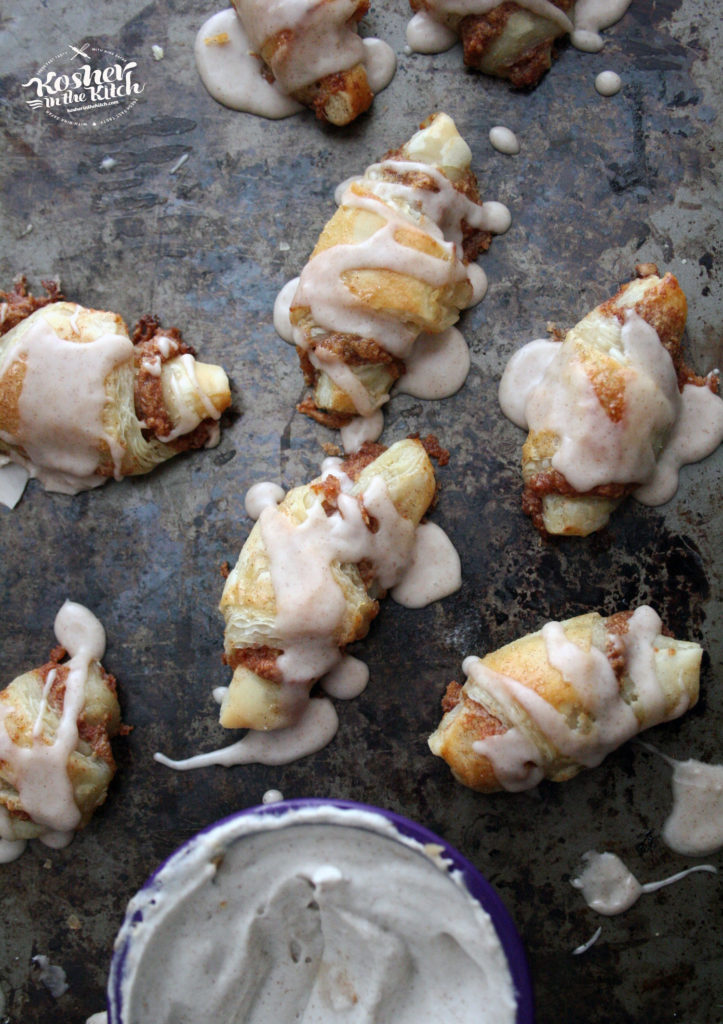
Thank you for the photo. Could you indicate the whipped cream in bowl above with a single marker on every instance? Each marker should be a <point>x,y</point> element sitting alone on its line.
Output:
<point>318,911</point>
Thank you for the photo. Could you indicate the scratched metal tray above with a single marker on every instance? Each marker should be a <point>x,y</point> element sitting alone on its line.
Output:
<point>199,214</point>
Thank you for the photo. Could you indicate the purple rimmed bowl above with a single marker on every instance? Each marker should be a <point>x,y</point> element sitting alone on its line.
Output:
<point>343,910</point>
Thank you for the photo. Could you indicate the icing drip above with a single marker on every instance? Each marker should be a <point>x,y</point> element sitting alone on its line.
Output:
<point>315,728</point>
<point>610,888</point>
<point>309,602</point>
<point>694,827</point>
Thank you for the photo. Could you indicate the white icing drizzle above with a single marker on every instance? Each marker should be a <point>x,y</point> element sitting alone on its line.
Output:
<point>591,17</point>
<point>504,140</point>
<point>310,604</point>
<point>347,679</point>
<point>322,41</point>
<point>589,944</point>
<point>514,754</point>
<point>62,446</point>
<point>437,366</point>
<point>694,827</point>
<point>434,571</point>
<point>315,728</point>
<point>380,62</point>
<point>427,31</point>
<point>609,887</point>
<point>335,308</point>
<point>40,770</point>
<point>360,429</point>
<point>608,83</point>
<point>524,372</point>
<point>545,387</point>
<point>51,975</point>
<point>696,433</point>
<point>13,478</point>
<point>272,796</point>
<point>264,494</point>
<point>478,279</point>
<point>232,74</point>
<point>282,305</point>
<point>427,35</point>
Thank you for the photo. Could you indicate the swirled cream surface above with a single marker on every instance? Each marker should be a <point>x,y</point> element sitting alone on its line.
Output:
<point>311,917</point>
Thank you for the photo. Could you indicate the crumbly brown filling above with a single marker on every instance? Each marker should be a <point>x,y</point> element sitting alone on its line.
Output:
<point>18,304</point>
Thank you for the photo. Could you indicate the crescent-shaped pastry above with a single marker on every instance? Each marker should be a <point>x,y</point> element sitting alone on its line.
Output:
<point>391,263</point>
<point>559,700</point>
<point>602,407</point>
<point>80,401</point>
<point>56,723</point>
<point>308,579</point>
<point>504,38</point>
<point>312,49</point>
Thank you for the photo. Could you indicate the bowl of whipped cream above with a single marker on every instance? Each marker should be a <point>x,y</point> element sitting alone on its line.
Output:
<point>318,911</point>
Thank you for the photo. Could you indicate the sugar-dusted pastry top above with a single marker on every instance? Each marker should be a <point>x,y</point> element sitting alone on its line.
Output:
<point>559,700</point>
<point>392,263</point>
<point>311,573</point>
<point>82,401</point>
<point>269,57</point>
<point>611,410</point>
<point>512,39</point>
<point>56,723</point>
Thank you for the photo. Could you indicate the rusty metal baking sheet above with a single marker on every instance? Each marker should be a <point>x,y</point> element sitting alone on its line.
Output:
<point>199,214</point>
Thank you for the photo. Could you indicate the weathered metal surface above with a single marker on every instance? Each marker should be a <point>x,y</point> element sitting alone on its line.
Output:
<point>599,185</point>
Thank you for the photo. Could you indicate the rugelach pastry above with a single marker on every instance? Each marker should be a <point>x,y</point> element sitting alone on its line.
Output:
<point>390,264</point>
<point>507,39</point>
<point>81,401</point>
<point>559,700</point>
<point>312,50</point>
<point>310,575</point>
<point>56,723</point>
<point>611,409</point>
